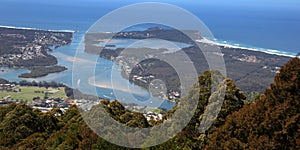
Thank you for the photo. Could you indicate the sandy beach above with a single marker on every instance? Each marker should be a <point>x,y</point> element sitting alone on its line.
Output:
<point>237,46</point>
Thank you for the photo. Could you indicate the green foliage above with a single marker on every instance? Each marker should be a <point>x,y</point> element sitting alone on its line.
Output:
<point>21,127</point>
<point>18,123</point>
<point>271,122</point>
<point>191,137</point>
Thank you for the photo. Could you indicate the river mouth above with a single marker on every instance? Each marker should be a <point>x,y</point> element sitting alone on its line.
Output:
<point>99,83</point>
<point>66,56</point>
<point>107,77</point>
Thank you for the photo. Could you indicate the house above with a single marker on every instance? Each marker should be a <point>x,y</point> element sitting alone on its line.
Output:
<point>70,101</point>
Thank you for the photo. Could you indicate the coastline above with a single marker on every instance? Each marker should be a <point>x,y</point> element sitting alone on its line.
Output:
<point>26,28</point>
<point>238,46</point>
<point>244,63</point>
<point>226,45</point>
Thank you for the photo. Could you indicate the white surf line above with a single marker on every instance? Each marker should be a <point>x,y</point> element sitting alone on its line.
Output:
<point>268,51</point>
<point>26,28</point>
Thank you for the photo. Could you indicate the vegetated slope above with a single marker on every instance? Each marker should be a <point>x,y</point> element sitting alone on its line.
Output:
<point>272,122</point>
<point>23,127</point>
<point>191,137</point>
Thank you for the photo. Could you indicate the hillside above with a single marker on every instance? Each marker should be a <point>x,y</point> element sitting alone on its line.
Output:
<point>70,131</point>
<point>272,122</point>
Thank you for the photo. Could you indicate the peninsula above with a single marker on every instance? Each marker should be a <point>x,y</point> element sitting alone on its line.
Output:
<point>27,48</point>
<point>252,70</point>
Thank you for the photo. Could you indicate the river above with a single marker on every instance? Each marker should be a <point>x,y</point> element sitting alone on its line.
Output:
<point>66,57</point>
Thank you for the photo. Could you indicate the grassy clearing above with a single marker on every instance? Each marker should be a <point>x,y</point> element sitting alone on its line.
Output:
<point>28,93</point>
<point>158,111</point>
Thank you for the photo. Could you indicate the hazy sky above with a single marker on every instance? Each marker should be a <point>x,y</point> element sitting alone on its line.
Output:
<point>281,5</point>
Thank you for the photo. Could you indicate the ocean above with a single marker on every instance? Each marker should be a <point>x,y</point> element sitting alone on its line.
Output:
<point>268,27</point>
<point>264,24</point>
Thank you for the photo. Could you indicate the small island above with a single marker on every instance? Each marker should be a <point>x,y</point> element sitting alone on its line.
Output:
<point>40,71</point>
<point>27,48</point>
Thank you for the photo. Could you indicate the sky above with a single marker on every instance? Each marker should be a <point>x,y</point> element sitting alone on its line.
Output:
<point>256,3</point>
<point>186,4</point>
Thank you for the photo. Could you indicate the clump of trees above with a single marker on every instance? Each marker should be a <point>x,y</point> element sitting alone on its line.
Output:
<point>52,84</point>
<point>22,127</point>
<point>191,137</point>
<point>3,81</point>
<point>271,122</point>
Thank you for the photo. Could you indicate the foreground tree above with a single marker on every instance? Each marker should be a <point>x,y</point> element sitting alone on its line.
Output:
<point>191,137</point>
<point>271,122</point>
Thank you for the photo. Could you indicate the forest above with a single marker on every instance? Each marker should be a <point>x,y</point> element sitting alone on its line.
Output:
<point>269,122</point>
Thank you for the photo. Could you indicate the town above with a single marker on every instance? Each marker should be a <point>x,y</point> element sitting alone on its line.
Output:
<point>157,89</point>
<point>20,48</point>
<point>47,96</point>
<point>37,96</point>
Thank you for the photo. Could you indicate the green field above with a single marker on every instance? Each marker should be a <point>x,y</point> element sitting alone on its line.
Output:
<point>28,93</point>
<point>158,111</point>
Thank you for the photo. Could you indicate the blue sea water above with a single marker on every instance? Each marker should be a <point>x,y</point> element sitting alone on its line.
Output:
<point>265,23</point>
<point>252,23</point>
